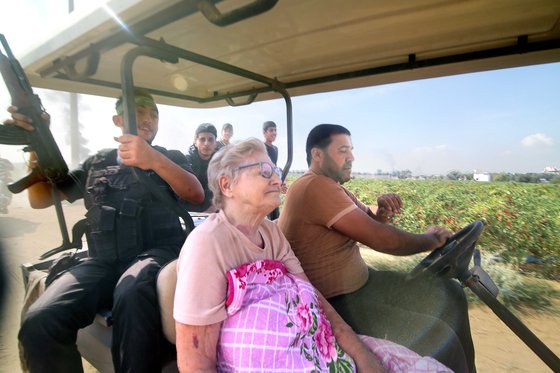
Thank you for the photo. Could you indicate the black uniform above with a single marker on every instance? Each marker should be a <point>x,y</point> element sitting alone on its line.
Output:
<point>272,151</point>
<point>130,237</point>
<point>199,167</point>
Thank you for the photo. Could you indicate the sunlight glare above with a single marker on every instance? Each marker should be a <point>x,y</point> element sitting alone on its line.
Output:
<point>115,16</point>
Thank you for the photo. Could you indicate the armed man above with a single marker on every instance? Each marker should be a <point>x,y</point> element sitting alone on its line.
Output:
<point>130,235</point>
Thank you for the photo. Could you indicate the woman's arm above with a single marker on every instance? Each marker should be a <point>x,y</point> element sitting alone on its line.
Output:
<point>196,347</point>
<point>348,340</point>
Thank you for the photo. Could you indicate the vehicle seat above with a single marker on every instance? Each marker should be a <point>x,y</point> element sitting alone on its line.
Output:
<point>167,278</point>
<point>166,281</point>
<point>93,341</point>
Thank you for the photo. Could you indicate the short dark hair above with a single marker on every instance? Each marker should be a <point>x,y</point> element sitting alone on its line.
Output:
<point>227,126</point>
<point>206,127</point>
<point>268,124</point>
<point>320,137</point>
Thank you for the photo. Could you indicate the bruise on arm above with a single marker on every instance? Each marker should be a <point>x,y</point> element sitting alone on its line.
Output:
<point>196,346</point>
<point>195,341</point>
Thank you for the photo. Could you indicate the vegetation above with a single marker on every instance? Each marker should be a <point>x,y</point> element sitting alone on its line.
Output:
<point>520,243</point>
<point>533,177</point>
<point>522,220</point>
<point>517,292</point>
<point>527,178</point>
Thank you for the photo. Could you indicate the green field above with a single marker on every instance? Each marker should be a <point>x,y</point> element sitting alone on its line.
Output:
<point>521,219</point>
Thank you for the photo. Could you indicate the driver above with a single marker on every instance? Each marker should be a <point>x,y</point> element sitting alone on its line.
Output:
<point>323,222</point>
<point>130,235</point>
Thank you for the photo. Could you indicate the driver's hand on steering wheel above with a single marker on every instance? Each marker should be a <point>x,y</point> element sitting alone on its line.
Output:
<point>440,235</point>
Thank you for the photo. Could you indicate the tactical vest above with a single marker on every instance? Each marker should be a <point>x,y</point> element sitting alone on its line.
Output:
<point>124,219</point>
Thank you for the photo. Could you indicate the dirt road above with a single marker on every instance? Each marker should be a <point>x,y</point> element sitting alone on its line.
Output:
<point>26,233</point>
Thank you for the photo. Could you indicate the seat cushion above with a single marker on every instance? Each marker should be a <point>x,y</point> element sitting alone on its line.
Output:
<point>166,282</point>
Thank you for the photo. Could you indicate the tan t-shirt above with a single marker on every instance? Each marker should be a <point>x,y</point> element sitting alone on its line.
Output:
<point>210,251</point>
<point>331,260</point>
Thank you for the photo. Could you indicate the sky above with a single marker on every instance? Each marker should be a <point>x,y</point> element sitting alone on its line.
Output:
<point>501,121</point>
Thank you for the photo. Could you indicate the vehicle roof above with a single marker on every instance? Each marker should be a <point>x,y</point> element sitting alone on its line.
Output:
<point>301,46</point>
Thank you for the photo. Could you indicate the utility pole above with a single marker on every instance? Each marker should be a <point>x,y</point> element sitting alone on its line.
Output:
<point>74,121</point>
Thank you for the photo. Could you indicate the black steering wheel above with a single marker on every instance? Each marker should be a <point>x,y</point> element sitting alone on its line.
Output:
<point>453,258</point>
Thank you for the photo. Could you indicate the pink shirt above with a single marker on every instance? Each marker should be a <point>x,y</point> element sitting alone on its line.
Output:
<point>210,251</point>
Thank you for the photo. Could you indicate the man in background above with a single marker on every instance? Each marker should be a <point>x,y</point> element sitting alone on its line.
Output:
<point>269,133</point>
<point>227,134</point>
<point>198,157</point>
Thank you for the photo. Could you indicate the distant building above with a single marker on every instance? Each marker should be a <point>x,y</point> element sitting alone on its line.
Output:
<point>482,176</point>
<point>551,170</point>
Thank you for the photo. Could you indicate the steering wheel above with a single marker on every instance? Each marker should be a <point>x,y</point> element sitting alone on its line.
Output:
<point>453,258</point>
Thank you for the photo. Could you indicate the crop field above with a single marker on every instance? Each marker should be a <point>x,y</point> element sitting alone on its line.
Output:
<point>520,243</point>
<point>522,220</point>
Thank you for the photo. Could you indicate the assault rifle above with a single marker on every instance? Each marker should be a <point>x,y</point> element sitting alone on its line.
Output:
<point>51,164</point>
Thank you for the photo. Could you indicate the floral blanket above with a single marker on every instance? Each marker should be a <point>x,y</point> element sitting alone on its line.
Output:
<point>276,324</point>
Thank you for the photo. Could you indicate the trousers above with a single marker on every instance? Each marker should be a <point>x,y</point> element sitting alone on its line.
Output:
<point>429,315</point>
<point>49,329</point>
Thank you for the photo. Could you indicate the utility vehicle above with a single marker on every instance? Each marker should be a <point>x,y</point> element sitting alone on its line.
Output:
<point>210,53</point>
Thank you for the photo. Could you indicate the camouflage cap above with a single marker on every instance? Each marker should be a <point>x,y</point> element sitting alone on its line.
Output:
<point>141,98</point>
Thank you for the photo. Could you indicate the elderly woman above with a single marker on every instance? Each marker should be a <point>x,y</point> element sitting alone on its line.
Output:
<point>242,301</point>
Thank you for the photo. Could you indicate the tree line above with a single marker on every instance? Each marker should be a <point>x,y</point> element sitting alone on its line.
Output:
<point>532,177</point>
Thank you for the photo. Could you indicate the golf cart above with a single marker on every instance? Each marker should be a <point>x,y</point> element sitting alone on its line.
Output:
<point>206,53</point>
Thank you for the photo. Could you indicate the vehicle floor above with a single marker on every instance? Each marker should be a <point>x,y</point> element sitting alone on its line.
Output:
<point>26,233</point>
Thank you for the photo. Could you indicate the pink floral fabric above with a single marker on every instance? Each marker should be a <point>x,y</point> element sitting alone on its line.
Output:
<point>276,324</point>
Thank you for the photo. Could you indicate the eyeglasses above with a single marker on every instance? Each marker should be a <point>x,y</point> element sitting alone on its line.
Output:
<point>267,169</point>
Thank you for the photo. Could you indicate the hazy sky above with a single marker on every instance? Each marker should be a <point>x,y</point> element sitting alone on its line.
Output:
<point>506,120</point>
